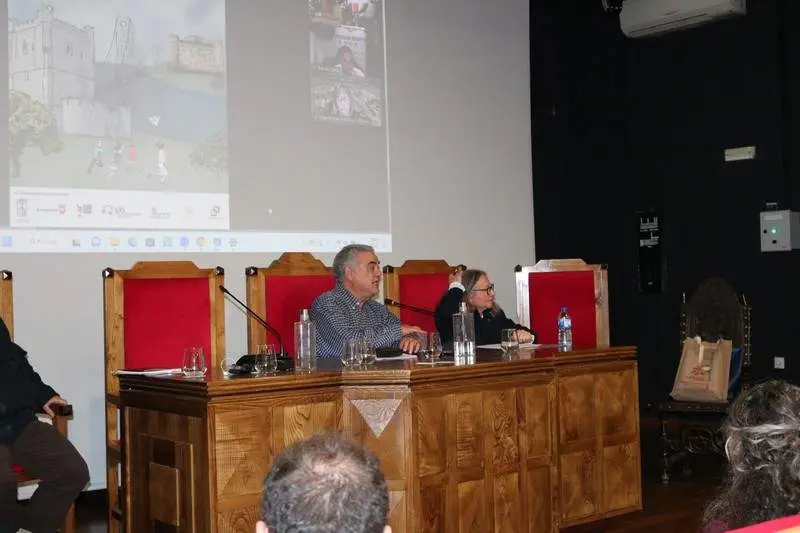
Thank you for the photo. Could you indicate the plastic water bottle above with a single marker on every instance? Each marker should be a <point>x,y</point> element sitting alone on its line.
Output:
<point>305,343</point>
<point>463,335</point>
<point>564,329</point>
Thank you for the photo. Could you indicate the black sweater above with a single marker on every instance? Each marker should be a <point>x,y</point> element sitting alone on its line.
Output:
<point>487,325</point>
<point>22,392</point>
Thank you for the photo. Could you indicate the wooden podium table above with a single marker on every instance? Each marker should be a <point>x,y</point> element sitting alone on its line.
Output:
<point>532,444</point>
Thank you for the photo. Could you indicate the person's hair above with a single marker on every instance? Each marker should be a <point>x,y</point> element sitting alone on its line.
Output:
<point>470,278</point>
<point>325,484</point>
<point>762,442</point>
<point>346,258</point>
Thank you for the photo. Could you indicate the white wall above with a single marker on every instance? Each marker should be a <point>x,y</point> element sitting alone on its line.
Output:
<point>461,190</point>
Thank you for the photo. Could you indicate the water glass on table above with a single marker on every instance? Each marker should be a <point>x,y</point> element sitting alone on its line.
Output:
<point>509,342</point>
<point>368,353</point>
<point>353,354</point>
<point>194,362</point>
<point>266,360</point>
<point>433,347</point>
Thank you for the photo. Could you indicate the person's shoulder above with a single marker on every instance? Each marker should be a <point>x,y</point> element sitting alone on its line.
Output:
<point>323,298</point>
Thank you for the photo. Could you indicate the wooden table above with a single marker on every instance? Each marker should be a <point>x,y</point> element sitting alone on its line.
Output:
<point>543,441</point>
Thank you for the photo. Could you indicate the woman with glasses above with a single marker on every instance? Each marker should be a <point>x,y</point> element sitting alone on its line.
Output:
<point>474,288</point>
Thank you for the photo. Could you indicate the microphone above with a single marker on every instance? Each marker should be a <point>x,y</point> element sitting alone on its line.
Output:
<point>488,315</point>
<point>420,310</point>
<point>257,319</point>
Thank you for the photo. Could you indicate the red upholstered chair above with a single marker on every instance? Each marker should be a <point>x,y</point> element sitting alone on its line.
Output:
<point>550,284</point>
<point>63,413</point>
<point>152,313</point>
<point>418,283</point>
<point>280,291</point>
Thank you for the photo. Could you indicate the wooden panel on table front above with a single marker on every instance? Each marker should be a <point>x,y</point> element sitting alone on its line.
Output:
<point>167,458</point>
<point>248,437</point>
<point>380,419</point>
<point>485,457</point>
<point>599,442</point>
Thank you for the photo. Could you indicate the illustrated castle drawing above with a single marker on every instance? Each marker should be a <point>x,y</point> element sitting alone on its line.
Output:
<point>51,60</point>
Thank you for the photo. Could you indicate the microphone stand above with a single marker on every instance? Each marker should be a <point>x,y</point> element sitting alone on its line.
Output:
<point>257,318</point>
<point>420,310</point>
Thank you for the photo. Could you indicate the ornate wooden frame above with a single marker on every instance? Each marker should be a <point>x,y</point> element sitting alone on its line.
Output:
<point>567,265</point>
<point>113,300</point>
<point>712,292</point>
<point>391,275</point>
<point>288,264</point>
<point>7,299</point>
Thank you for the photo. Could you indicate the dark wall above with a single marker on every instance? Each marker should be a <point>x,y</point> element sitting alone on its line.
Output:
<point>627,124</point>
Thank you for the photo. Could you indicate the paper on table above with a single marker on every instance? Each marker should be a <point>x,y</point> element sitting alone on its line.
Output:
<point>498,347</point>
<point>397,358</point>
<point>149,372</point>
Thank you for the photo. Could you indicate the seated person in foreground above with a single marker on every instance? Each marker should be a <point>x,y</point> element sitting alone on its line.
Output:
<point>349,312</point>
<point>34,445</point>
<point>474,288</point>
<point>323,485</point>
<point>762,443</point>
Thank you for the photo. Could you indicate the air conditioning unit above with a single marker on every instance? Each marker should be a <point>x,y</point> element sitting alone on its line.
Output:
<point>642,18</point>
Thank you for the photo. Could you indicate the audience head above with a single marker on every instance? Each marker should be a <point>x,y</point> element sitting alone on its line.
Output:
<point>356,267</point>
<point>762,443</point>
<point>325,485</point>
<point>478,290</point>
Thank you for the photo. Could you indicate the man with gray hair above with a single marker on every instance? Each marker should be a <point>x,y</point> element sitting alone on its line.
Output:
<point>325,484</point>
<point>350,312</point>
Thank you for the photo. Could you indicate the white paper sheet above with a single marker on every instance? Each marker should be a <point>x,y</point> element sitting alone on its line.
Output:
<point>526,346</point>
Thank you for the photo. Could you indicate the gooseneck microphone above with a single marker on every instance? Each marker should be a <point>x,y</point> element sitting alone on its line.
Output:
<point>257,319</point>
<point>420,310</point>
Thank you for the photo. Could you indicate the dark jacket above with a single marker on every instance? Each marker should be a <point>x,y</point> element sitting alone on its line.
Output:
<point>22,392</point>
<point>487,325</point>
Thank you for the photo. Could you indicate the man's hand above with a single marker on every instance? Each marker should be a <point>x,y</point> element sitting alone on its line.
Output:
<point>411,330</point>
<point>410,344</point>
<point>455,277</point>
<point>55,400</point>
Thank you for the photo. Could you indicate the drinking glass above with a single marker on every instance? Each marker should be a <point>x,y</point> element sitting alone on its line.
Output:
<point>194,362</point>
<point>509,341</point>
<point>355,351</point>
<point>434,349</point>
<point>368,353</point>
<point>226,364</point>
<point>266,360</point>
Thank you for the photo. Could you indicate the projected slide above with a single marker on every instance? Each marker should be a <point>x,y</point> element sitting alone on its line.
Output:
<point>118,114</point>
<point>347,61</point>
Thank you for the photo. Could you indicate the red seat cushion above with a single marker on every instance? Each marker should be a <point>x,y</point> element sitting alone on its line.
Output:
<point>550,291</point>
<point>424,291</point>
<point>16,469</point>
<point>286,296</point>
<point>163,317</point>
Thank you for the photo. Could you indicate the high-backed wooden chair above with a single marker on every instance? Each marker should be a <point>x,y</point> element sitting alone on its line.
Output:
<point>152,313</point>
<point>715,310</point>
<point>418,283</point>
<point>549,285</point>
<point>280,291</point>
<point>63,412</point>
